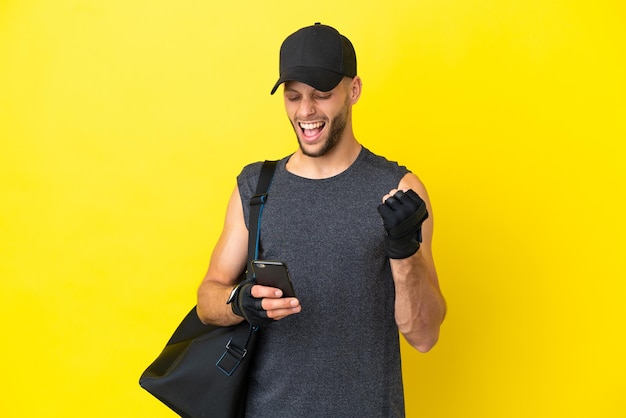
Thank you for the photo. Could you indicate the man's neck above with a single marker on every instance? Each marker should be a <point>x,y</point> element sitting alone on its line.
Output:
<point>334,162</point>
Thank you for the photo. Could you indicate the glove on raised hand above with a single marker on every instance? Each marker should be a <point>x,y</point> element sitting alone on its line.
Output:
<point>403,214</point>
<point>247,306</point>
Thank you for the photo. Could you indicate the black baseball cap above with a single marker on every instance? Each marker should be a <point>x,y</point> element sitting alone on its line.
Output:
<point>316,55</point>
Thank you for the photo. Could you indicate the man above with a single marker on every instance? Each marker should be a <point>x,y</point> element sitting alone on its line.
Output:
<point>362,269</point>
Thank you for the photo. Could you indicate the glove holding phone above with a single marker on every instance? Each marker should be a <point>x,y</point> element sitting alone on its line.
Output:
<point>403,215</point>
<point>266,273</point>
<point>247,306</point>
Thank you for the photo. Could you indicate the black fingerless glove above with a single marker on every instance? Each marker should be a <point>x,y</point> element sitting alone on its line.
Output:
<point>247,306</point>
<point>403,214</point>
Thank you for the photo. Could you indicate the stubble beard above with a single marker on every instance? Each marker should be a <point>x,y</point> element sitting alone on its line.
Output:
<point>337,126</point>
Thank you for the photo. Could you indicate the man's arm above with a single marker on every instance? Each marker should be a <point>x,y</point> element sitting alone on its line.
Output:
<point>419,306</point>
<point>228,261</point>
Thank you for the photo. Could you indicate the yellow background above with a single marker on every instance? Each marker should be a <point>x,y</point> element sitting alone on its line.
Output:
<point>124,123</point>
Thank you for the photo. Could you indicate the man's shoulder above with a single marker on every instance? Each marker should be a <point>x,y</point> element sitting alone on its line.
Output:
<point>249,175</point>
<point>380,162</point>
<point>250,170</point>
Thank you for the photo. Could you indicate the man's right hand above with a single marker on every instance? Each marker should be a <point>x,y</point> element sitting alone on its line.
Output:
<point>261,305</point>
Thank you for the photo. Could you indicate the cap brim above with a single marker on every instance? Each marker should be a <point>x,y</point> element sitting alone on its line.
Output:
<point>318,78</point>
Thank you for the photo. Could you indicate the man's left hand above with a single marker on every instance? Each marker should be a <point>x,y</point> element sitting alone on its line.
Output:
<point>403,214</point>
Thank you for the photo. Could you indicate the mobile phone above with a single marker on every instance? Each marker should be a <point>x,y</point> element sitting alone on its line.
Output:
<point>275,274</point>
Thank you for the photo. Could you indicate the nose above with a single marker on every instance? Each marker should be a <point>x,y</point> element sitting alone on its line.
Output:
<point>307,107</point>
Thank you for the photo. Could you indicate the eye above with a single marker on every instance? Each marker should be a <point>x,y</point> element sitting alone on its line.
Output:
<point>322,96</point>
<point>293,98</point>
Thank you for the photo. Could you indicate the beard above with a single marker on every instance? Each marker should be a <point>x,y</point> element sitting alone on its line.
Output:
<point>337,126</point>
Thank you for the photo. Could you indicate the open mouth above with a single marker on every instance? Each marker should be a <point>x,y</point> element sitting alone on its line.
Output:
<point>311,129</point>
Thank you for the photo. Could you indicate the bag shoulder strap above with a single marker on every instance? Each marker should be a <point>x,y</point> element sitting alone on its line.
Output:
<point>237,348</point>
<point>256,207</point>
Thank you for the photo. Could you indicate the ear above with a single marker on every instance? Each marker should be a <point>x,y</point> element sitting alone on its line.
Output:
<point>355,89</point>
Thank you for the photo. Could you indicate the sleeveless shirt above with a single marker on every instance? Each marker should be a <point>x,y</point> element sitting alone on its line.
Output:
<point>340,356</point>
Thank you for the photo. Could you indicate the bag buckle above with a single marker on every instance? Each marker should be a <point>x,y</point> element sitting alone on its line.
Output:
<point>231,359</point>
<point>258,199</point>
